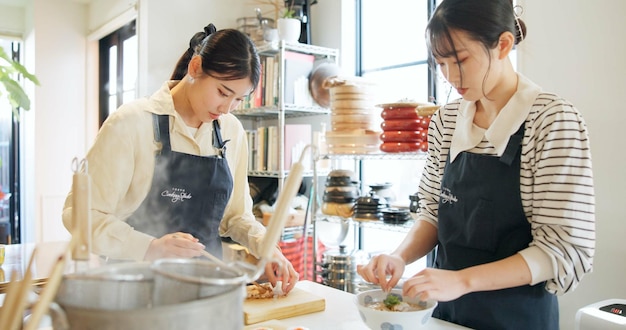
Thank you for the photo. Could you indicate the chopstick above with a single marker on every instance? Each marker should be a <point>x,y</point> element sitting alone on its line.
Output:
<point>214,258</point>
<point>22,297</point>
<point>15,299</point>
<point>50,289</point>
<point>6,313</point>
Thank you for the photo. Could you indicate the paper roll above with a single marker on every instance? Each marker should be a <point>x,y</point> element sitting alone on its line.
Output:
<point>281,212</point>
<point>81,215</point>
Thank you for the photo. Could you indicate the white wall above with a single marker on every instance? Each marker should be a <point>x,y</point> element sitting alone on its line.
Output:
<point>12,19</point>
<point>55,43</point>
<point>165,28</point>
<point>576,49</point>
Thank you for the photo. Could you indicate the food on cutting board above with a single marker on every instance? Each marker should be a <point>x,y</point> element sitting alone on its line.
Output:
<point>262,291</point>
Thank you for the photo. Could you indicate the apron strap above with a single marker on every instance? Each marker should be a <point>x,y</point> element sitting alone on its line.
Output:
<point>513,146</point>
<point>218,143</point>
<point>162,136</point>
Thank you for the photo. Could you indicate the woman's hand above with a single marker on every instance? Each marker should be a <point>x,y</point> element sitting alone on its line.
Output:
<point>176,245</point>
<point>436,284</point>
<point>379,267</point>
<point>281,269</point>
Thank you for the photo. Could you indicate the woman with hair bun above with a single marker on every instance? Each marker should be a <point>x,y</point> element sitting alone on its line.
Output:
<point>169,172</point>
<point>507,194</point>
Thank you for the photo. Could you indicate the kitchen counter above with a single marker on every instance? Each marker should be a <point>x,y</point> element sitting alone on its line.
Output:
<point>17,257</point>
<point>340,313</point>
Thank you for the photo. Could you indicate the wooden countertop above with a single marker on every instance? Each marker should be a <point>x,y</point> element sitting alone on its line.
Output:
<point>16,259</point>
<point>340,312</point>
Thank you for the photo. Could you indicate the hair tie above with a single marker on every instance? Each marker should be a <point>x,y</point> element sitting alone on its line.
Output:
<point>518,11</point>
<point>209,29</point>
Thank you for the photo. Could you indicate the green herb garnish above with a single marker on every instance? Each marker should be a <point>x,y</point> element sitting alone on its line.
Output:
<point>391,301</point>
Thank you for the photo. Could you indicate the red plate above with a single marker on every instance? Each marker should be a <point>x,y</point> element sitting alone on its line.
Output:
<point>404,136</point>
<point>400,146</point>
<point>400,113</point>
<point>401,125</point>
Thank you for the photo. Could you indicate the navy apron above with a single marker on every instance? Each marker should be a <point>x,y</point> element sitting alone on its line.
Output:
<point>188,194</point>
<point>481,219</point>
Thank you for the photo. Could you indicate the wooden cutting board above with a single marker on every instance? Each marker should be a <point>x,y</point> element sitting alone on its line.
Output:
<point>297,302</point>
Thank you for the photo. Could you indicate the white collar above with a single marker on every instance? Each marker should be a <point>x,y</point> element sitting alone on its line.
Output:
<point>467,135</point>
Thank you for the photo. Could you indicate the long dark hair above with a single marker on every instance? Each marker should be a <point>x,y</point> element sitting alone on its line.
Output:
<point>226,54</point>
<point>483,21</point>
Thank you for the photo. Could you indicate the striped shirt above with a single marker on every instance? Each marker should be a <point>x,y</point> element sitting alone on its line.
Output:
<point>556,180</point>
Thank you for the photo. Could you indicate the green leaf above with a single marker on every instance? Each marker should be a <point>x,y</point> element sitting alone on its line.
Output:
<point>16,95</point>
<point>21,69</point>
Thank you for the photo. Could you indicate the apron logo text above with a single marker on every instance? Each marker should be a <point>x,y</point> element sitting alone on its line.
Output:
<point>177,194</point>
<point>446,196</point>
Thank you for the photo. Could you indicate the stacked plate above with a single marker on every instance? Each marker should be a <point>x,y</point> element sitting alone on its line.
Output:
<point>393,215</point>
<point>405,126</point>
<point>354,119</point>
<point>369,207</point>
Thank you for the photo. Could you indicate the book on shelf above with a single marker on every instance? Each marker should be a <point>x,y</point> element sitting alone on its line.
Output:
<point>268,99</point>
<point>260,149</point>
<point>297,137</point>
<point>252,149</point>
<point>298,67</point>
<point>263,146</point>
<point>272,148</point>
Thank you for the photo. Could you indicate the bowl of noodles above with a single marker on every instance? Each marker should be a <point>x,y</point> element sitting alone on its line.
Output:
<point>390,310</point>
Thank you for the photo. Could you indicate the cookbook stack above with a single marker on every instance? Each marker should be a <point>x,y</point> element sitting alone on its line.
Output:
<point>354,119</point>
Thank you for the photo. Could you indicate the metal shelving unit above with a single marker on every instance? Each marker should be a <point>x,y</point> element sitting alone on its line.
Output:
<point>359,225</point>
<point>282,110</point>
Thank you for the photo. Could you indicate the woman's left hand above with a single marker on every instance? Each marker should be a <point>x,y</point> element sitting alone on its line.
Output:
<point>435,284</point>
<point>281,269</point>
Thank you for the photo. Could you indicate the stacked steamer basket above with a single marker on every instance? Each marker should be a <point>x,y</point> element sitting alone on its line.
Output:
<point>354,120</point>
<point>342,190</point>
<point>405,126</point>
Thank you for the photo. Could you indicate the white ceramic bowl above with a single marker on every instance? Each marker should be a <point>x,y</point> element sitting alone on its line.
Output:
<point>383,320</point>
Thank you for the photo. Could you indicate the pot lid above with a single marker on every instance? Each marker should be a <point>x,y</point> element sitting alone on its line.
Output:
<point>383,185</point>
<point>372,199</point>
<point>342,173</point>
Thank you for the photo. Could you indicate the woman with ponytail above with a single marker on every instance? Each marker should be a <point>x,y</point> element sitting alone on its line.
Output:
<point>507,195</point>
<point>169,172</point>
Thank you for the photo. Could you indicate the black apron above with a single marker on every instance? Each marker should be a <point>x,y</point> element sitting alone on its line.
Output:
<point>481,219</point>
<point>188,194</point>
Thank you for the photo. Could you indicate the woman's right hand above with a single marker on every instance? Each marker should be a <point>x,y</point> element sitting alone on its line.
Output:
<point>176,245</point>
<point>379,267</point>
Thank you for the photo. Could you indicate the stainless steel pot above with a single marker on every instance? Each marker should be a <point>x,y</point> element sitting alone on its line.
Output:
<point>113,287</point>
<point>339,268</point>
<point>199,294</point>
<point>181,280</point>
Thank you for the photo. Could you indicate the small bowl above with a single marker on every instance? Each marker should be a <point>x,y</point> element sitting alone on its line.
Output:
<point>376,319</point>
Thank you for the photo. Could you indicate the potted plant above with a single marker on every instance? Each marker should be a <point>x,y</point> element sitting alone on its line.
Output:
<point>10,87</point>
<point>289,26</point>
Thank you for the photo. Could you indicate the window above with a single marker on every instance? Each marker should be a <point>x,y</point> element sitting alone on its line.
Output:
<point>118,69</point>
<point>9,162</point>
<point>391,49</point>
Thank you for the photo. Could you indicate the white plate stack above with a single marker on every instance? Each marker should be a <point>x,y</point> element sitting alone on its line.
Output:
<point>355,119</point>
